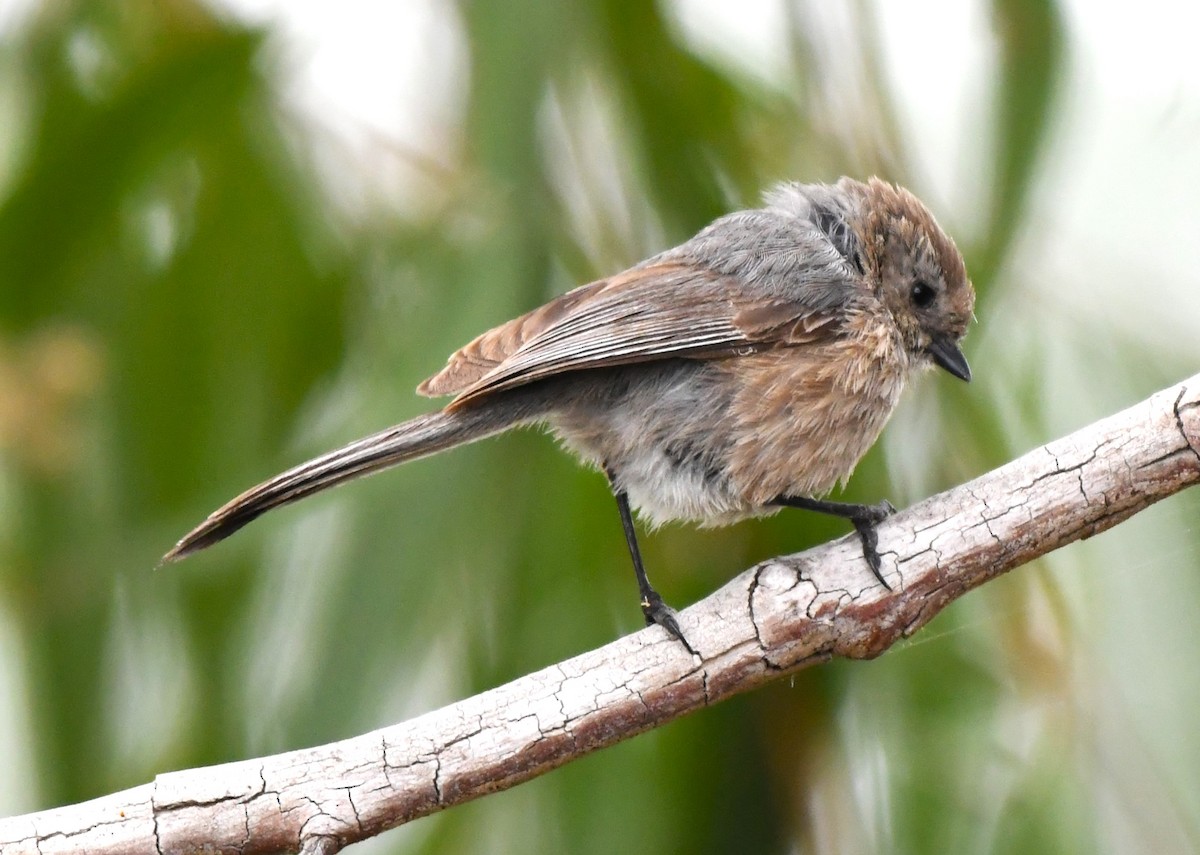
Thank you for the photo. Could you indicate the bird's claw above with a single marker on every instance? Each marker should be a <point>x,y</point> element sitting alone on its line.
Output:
<point>865,526</point>
<point>659,613</point>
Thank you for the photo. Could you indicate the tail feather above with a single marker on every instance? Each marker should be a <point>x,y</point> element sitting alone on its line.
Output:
<point>409,440</point>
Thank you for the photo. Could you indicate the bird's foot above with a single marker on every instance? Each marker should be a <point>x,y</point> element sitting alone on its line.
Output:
<point>864,524</point>
<point>659,613</point>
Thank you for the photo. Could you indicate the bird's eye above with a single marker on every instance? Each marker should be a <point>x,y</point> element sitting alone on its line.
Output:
<point>922,293</point>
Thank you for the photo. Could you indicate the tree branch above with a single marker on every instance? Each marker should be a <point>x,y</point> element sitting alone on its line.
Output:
<point>774,619</point>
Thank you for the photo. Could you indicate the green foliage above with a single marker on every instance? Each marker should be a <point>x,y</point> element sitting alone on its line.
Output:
<point>186,307</point>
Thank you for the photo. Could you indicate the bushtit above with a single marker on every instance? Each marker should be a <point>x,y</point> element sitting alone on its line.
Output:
<point>743,371</point>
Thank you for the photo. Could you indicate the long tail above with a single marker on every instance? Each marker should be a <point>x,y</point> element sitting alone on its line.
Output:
<point>409,440</point>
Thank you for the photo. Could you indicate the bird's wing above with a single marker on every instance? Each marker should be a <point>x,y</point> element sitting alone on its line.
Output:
<point>655,311</point>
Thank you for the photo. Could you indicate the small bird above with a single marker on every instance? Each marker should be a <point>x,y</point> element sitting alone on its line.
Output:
<point>746,370</point>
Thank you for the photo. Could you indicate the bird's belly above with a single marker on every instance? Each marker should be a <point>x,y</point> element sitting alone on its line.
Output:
<point>661,435</point>
<point>662,490</point>
<point>715,442</point>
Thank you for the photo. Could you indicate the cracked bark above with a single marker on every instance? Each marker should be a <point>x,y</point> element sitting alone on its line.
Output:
<point>774,619</point>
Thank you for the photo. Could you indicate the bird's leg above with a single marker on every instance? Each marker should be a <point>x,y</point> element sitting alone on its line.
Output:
<point>864,517</point>
<point>653,607</point>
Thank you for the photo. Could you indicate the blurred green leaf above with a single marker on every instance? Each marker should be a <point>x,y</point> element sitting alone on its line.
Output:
<point>189,304</point>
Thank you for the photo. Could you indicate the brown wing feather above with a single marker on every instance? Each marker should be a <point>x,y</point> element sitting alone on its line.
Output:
<point>652,312</point>
<point>473,361</point>
<point>783,322</point>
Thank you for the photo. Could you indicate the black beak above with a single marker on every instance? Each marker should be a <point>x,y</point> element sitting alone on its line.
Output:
<point>946,353</point>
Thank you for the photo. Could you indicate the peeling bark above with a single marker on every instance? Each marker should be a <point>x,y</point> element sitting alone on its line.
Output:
<point>774,619</point>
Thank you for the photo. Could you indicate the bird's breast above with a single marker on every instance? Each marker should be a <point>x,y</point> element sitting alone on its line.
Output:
<point>806,415</point>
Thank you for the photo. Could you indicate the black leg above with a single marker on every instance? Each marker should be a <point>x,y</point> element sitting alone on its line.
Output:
<point>653,607</point>
<point>864,517</point>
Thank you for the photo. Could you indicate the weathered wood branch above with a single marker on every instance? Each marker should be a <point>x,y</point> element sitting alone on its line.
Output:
<point>783,615</point>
